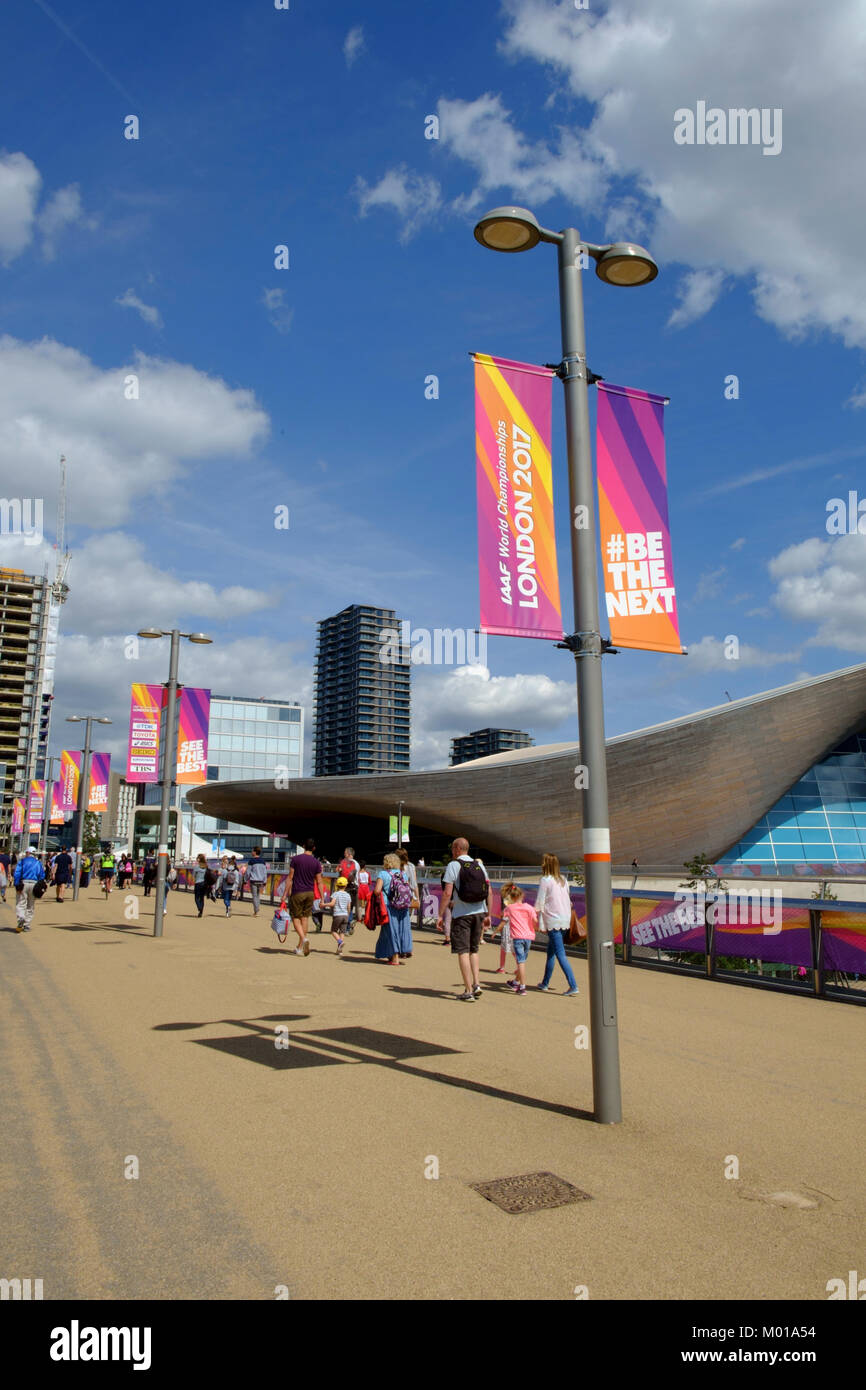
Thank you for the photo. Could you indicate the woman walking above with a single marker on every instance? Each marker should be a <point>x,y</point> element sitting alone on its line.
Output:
<point>553,905</point>
<point>409,869</point>
<point>198,883</point>
<point>395,937</point>
<point>364,889</point>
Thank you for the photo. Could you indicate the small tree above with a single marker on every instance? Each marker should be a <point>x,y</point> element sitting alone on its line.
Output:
<point>577,873</point>
<point>90,838</point>
<point>702,874</point>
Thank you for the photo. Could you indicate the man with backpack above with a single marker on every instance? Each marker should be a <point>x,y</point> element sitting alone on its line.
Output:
<point>228,882</point>
<point>349,870</point>
<point>466,891</point>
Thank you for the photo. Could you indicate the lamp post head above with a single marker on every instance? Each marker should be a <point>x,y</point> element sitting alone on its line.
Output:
<point>624,263</point>
<point>150,632</point>
<point>508,229</point>
<point>74,719</point>
<point>103,720</point>
<point>200,638</point>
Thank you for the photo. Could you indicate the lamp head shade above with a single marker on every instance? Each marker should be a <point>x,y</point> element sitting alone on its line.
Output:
<point>200,637</point>
<point>508,229</point>
<point>626,264</point>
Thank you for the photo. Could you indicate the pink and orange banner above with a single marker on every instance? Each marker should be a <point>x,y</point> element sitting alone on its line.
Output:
<point>640,596</point>
<point>17,815</point>
<point>142,764</point>
<point>516,541</point>
<point>193,720</point>
<point>57,817</point>
<point>70,771</point>
<point>35,806</point>
<point>100,767</point>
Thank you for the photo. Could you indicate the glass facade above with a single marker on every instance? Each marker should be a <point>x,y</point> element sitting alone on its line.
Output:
<point>362,709</point>
<point>820,820</point>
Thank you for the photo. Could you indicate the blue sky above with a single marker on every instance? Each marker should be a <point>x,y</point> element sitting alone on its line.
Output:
<point>305,387</point>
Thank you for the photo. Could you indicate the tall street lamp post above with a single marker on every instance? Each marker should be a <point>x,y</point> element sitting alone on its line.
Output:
<point>83,791</point>
<point>168,761</point>
<point>513,229</point>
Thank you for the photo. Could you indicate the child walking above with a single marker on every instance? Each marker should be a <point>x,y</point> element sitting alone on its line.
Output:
<point>340,907</point>
<point>505,943</point>
<point>522,920</point>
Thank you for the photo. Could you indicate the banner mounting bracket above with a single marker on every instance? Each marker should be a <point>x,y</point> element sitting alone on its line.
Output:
<point>588,644</point>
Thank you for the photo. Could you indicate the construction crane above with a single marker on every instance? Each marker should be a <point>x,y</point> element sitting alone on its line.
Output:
<point>59,587</point>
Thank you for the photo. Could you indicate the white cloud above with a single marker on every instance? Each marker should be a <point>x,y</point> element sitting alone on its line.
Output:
<point>480,132</point>
<point>697,294</point>
<point>114,586</point>
<point>20,182</point>
<point>710,584</point>
<point>63,209</point>
<point>738,543</point>
<point>54,400</point>
<point>130,300</point>
<point>728,208</point>
<point>710,655</point>
<point>280,315</point>
<point>857,399</point>
<point>412,196</point>
<point>823,583</point>
<point>354,45</point>
<point>469,697</point>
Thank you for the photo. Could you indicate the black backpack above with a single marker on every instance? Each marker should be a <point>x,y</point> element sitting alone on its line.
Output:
<point>472,883</point>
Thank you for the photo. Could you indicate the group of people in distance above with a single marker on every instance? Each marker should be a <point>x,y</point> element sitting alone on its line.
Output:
<point>464,912</point>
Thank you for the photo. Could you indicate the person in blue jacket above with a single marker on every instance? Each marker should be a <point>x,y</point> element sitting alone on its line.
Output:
<point>28,872</point>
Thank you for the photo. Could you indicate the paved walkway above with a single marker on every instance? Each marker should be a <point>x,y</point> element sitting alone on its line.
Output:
<point>305,1167</point>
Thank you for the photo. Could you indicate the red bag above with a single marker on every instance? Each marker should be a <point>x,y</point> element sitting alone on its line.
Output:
<point>376,912</point>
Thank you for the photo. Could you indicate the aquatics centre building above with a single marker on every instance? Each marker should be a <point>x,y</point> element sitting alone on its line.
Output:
<point>775,782</point>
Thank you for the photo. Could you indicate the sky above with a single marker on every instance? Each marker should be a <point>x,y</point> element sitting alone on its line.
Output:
<point>304,387</point>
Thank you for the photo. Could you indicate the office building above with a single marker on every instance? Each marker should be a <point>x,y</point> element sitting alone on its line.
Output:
<point>483,743</point>
<point>250,739</point>
<point>362,704</point>
<point>28,634</point>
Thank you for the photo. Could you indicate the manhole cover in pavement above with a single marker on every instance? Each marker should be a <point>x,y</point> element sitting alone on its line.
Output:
<point>530,1192</point>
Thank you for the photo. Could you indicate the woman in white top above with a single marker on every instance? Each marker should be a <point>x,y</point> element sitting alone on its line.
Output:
<point>553,905</point>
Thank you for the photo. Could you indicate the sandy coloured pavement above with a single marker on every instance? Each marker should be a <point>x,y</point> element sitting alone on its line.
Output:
<point>261,1166</point>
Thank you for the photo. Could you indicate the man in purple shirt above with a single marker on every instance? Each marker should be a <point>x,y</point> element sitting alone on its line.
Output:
<point>305,873</point>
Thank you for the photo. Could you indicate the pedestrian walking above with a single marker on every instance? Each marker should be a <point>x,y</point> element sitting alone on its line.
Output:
<point>505,944</point>
<point>148,874</point>
<point>522,920</point>
<point>228,882</point>
<point>466,892</point>
<point>199,888</point>
<point>257,877</point>
<point>28,873</point>
<point>348,869</point>
<point>340,908</point>
<point>4,878</point>
<point>553,905</point>
<point>395,935</point>
<point>86,866</point>
<point>409,870</point>
<point>107,870</point>
<point>305,876</point>
<point>443,921</point>
<point>365,888</point>
<point>62,873</point>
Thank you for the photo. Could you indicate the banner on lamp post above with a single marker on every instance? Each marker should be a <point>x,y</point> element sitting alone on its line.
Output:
<point>70,771</point>
<point>516,541</point>
<point>100,766</point>
<point>57,817</point>
<point>35,807</point>
<point>142,763</point>
<point>392,836</point>
<point>193,720</point>
<point>639,591</point>
<point>17,815</point>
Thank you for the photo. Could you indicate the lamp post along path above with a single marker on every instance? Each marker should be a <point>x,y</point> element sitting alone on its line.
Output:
<point>168,766</point>
<point>514,229</point>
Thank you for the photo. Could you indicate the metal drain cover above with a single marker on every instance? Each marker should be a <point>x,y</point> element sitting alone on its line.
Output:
<point>530,1192</point>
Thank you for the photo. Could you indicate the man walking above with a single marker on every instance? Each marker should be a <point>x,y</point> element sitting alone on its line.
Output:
<point>62,872</point>
<point>349,869</point>
<point>466,890</point>
<point>257,876</point>
<point>305,875</point>
<point>28,872</point>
